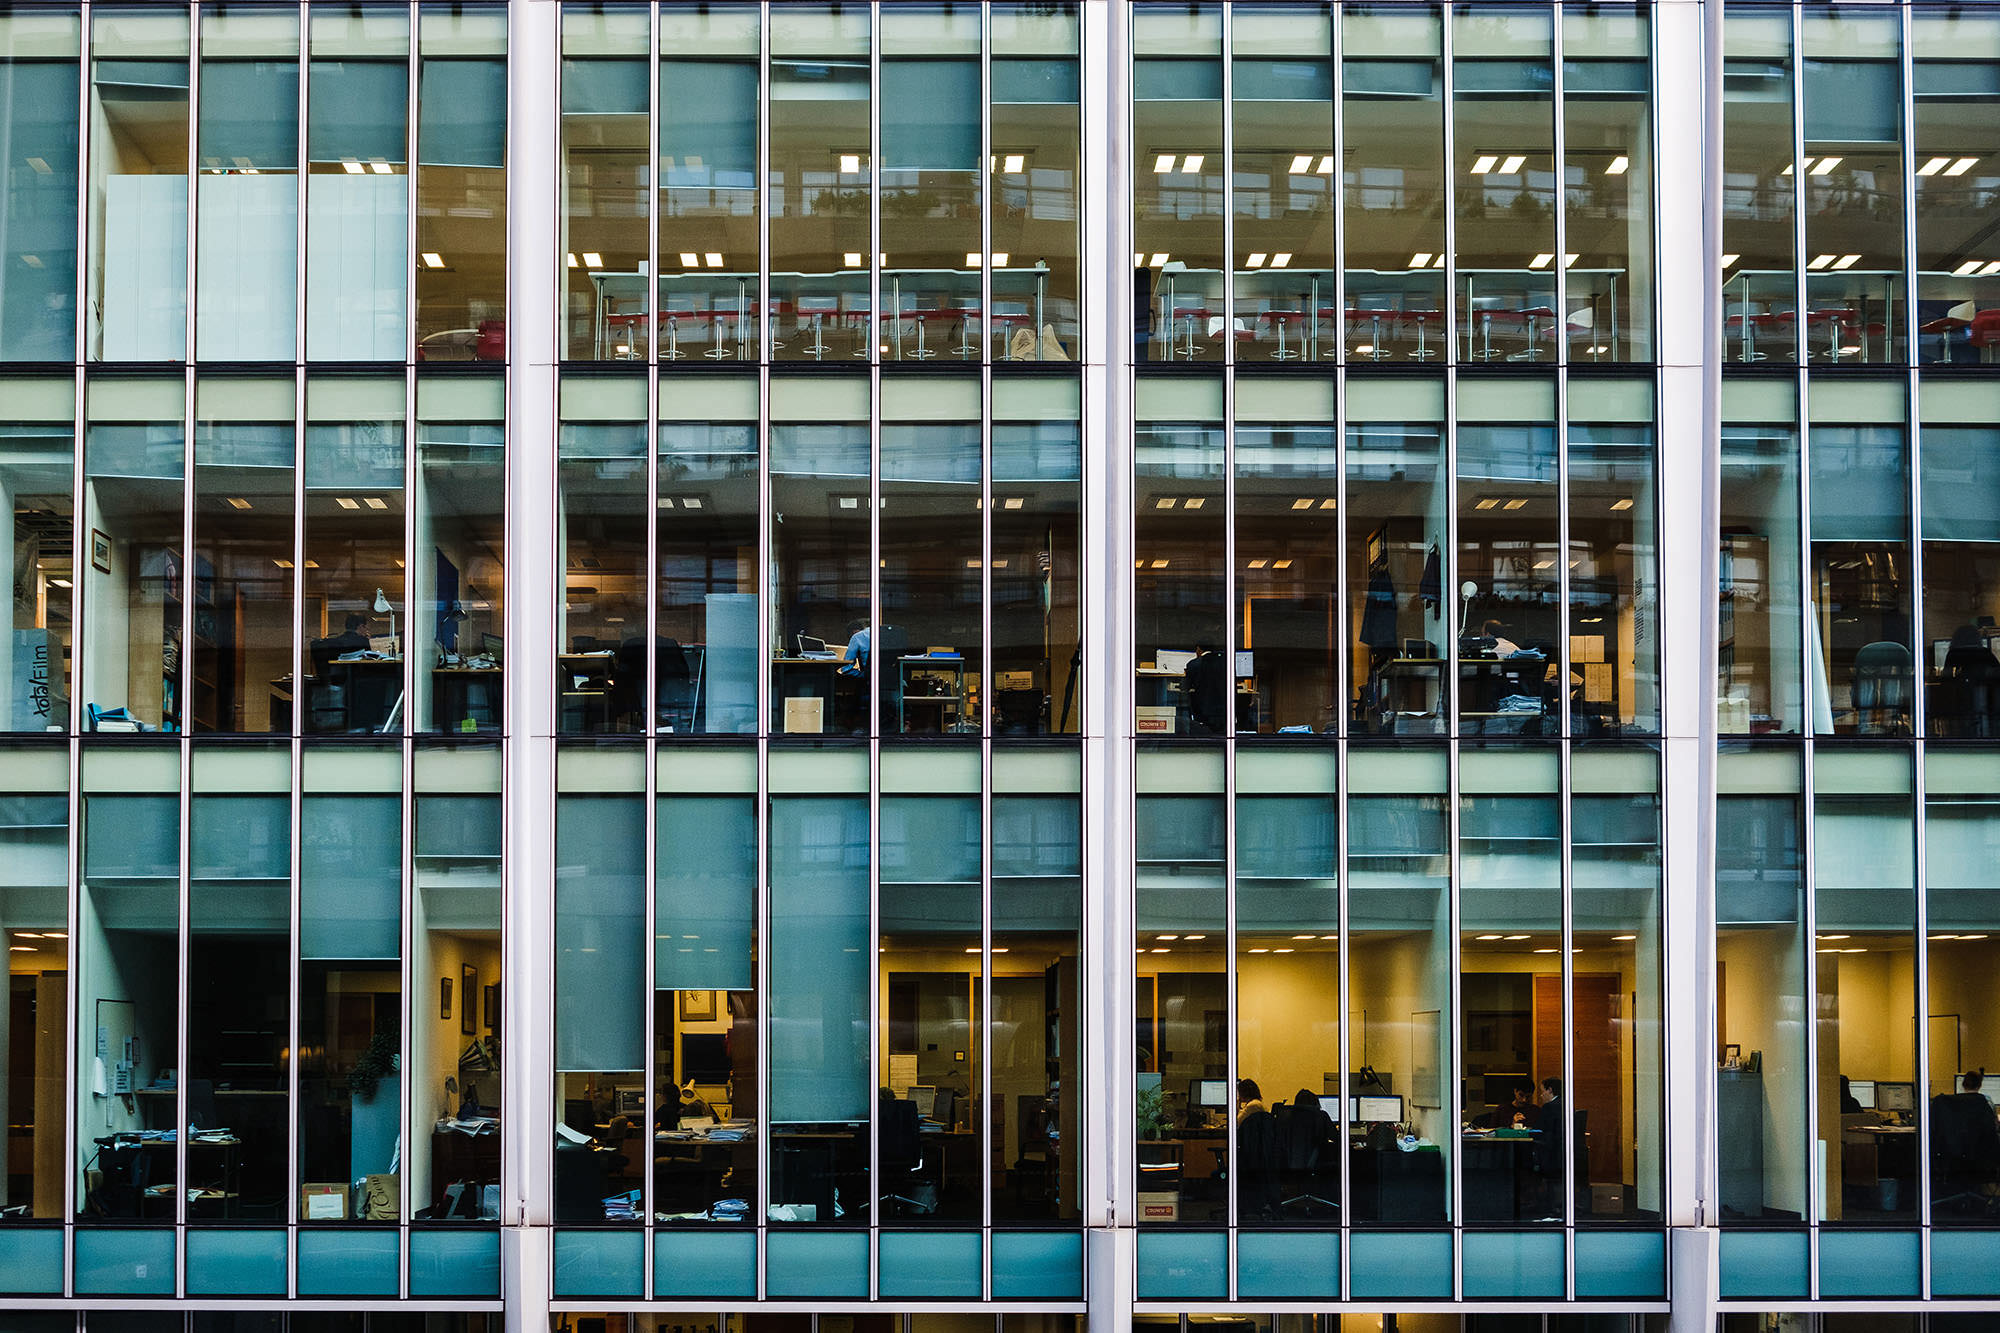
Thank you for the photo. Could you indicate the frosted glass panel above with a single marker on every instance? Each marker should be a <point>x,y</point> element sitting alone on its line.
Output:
<point>819,959</point>
<point>145,268</point>
<point>356,256</point>
<point>246,258</point>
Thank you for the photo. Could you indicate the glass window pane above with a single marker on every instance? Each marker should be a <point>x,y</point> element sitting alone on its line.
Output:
<point>35,471</point>
<point>34,898</point>
<point>139,195</point>
<point>1608,175</point>
<point>1396,564</point>
<point>707,541</point>
<point>1286,576</point>
<point>38,109</point>
<point>242,632</point>
<point>461,186</point>
<point>601,625</point>
<point>1282,117</point>
<point>1392,113</point>
<point>353,551</point>
<point>1177,179</point>
<point>1178,581</point>
<point>456,587</point>
<point>1760,189</point>
<point>1034,181</point>
<point>819,555</point>
<point>1853,184</point>
<point>358,188</point>
<point>931,587</point>
<point>132,640</point>
<point>818,189</point>
<point>1614,566</point>
<point>1507,552</point>
<point>604,127</point>
<point>1761,681</point>
<point>1864,671</point>
<point>1035,605</point>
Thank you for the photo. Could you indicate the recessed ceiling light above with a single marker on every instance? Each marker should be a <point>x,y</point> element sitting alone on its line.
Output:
<point>1281,951</point>
<point>1302,504</point>
<point>1302,164</point>
<point>1516,503</point>
<point>1256,259</point>
<point>1192,163</point>
<point>1194,937</point>
<point>1193,502</point>
<point>1486,937</point>
<point>346,502</point>
<point>1545,951</point>
<point>1259,563</point>
<point>59,583</point>
<point>351,166</point>
<point>432,259</point>
<point>1015,162</point>
<point>1624,937</point>
<point>1163,163</point>
<point>1486,503</point>
<point>850,164</point>
<point>1000,258</point>
<point>1967,269</point>
<point>1513,164</point>
<point>972,259</point>
<point>238,502</point>
<point>20,948</point>
<point>591,259</point>
<point>1011,502</point>
<point>1934,166</point>
<point>1164,502</point>
<point>1542,260</point>
<point>1846,261</point>
<point>1514,937</point>
<point>1420,259</point>
<point>1260,951</point>
<point>375,502</point>
<point>1281,564</point>
<point>1818,262</point>
<point>1621,504</point>
<point>1326,165</point>
<point>1483,164</point>
<point>1826,166</point>
<point>282,564</point>
<point>1158,260</point>
<point>1328,503</point>
<point>851,259</point>
<point>1619,165</point>
<point>1158,564</point>
<point>1282,259</point>
<point>714,259</point>
<point>1729,261</point>
<point>1960,167</point>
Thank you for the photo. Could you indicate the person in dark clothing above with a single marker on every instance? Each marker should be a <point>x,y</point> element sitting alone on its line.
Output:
<point>352,639</point>
<point>1848,1101</point>
<point>1205,684</point>
<point>1520,1111</point>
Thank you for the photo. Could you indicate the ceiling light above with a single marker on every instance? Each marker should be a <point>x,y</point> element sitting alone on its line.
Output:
<point>1256,260</point>
<point>1306,936</point>
<point>1165,502</point>
<point>1963,937</point>
<point>1282,259</point>
<point>1826,166</point>
<point>238,502</point>
<point>26,935</point>
<point>1787,169</point>
<point>972,563</point>
<point>1621,504</point>
<point>1281,951</point>
<point>1487,503</point>
<point>1011,502</point>
<point>374,502</point>
<point>1545,951</point>
<point>1163,164</point>
<point>1818,262</point>
<point>1513,164</point>
<point>1967,269</point>
<point>1328,503</point>
<point>32,261</point>
<point>1960,167</point>
<point>572,259</point>
<point>1260,951</point>
<point>432,259</point>
<point>1420,259</point>
<point>1259,563</point>
<point>1301,165</point>
<point>1824,938</point>
<point>1934,166</point>
<point>999,948</point>
<point>1302,504</point>
<point>591,259</point>
<point>1486,937</point>
<point>1000,258</point>
<point>1165,937</point>
<point>1329,937</point>
<point>1483,164</point>
<point>1618,166</point>
<point>1542,260</point>
<point>850,164</point>
<point>1158,564</point>
<point>689,259</point>
<point>1193,502</point>
<point>851,259</point>
<point>1158,260</point>
<point>1514,937</point>
<point>20,948</point>
<point>1015,162</point>
<point>346,503</point>
<point>41,166</point>
<point>1194,937</point>
<point>351,166</point>
<point>972,259</point>
<point>1624,937</point>
<point>973,949</point>
<point>1846,261</point>
<point>1191,163</point>
<point>1281,564</point>
<point>1516,503</point>
<point>282,564</point>
<point>379,167</point>
<point>1163,951</point>
<point>1364,349</point>
<point>59,583</point>
<point>1326,165</point>
<point>63,935</point>
<point>1569,260</point>
<point>666,502</point>
<point>1729,261</point>
<point>1992,267</point>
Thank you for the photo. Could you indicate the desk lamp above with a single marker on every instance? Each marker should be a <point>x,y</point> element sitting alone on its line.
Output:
<point>1466,592</point>
<point>382,608</point>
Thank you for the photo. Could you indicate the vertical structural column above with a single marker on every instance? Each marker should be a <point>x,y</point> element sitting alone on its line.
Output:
<point>1688,65</point>
<point>1109,1085</point>
<point>528,1166</point>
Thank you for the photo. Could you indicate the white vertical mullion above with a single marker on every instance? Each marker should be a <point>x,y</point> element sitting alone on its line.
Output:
<point>1226,643</point>
<point>84,321</point>
<point>983,1028</point>
<point>305,170</point>
<point>1801,345</point>
<point>1565,723</point>
<point>72,1005</point>
<point>1336,200</point>
<point>1454,1090</point>
<point>1228,274</point>
<point>876,733</point>
<point>1573,1142</point>
<point>182,1043</point>
<point>193,190</point>
<point>649,715</point>
<point>761,729</point>
<point>415,66</point>
<point>987,189</point>
<point>877,339</point>
<point>1450,357</point>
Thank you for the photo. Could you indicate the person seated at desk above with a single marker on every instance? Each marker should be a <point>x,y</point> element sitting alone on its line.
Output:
<point>1849,1103</point>
<point>1965,1150</point>
<point>353,639</point>
<point>1507,1115</point>
<point>1249,1099</point>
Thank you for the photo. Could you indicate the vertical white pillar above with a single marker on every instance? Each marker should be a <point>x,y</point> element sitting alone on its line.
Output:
<point>1109,1086</point>
<point>1687,36</point>
<point>528,1167</point>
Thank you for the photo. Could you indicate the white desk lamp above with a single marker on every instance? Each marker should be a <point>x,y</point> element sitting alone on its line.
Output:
<point>382,608</point>
<point>1466,592</point>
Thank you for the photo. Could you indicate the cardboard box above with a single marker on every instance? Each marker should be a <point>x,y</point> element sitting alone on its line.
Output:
<point>1014,680</point>
<point>1159,1206</point>
<point>323,1203</point>
<point>1585,648</point>
<point>805,717</point>
<point>1155,720</point>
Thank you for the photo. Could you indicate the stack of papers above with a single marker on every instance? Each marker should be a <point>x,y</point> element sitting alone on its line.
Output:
<point>622,1207</point>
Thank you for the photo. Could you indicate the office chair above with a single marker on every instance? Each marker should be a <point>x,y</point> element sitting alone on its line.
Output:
<point>1305,1132</point>
<point>891,644</point>
<point>1965,1154</point>
<point>1882,688</point>
<point>900,1139</point>
<point>1020,712</point>
<point>676,684</point>
<point>1257,1163</point>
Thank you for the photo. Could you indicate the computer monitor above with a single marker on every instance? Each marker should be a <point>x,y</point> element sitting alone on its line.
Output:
<point>1212,1092</point>
<point>491,645</point>
<point>925,1096</point>
<point>1863,1091</point>
<point>1374,1110</point>
<point>629,1101</point>
<point>1895,1096</point>
<point>1172,660</point>
<point>808,644</point>
<point>943,1108</point>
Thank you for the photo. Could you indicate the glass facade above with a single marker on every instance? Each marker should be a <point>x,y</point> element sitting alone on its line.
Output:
<point>764,667</point>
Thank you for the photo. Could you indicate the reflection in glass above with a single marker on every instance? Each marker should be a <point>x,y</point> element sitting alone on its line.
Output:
<point>461,185</point>
<point>818,189</point>
<point>1760,679</point>
<point>930,182</point>
<point>1864,677</point>
<point>608,301</point>
<point>247,194</point>
<point>1186,1104</point>
<point>1286,537</point>
<point>1034,181</point>
<point>1614,578</point>
<point>139,186</point>
<point>242,587</point>
<point>132,475</point>
<point>1505,197</point>
<point>1759,187</point>
<point>1957,66</point>
<point>455,612</point>
<point>38,74</point>
<point>1397,612</point>
<point>1282,71</point>
<point>1760,986</point>
<point>353,547</point>
<point>1608,194</point>
<point>1178,177</point>
<point>1178,583</point>
<point>708,103</point>
<point>1392,109</point>
<point>1961,509</point>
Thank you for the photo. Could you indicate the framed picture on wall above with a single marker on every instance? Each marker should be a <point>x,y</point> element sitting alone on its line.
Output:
<point>697,1006</point>
<point>493,1007</point>
<point>468,1009</point>
<point>100,551</point>
<point>444,997</point>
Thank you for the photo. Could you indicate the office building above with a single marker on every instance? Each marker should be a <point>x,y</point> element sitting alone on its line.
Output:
<point>812,667</point>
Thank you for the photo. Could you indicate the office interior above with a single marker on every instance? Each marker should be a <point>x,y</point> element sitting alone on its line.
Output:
<point>35,485</point>
<point>34,1027</point>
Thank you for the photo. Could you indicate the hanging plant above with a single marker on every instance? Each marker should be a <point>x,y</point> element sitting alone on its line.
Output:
<point>375,1062</point>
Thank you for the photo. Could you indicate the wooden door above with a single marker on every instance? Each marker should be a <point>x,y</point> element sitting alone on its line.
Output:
<point>1598,1015</point>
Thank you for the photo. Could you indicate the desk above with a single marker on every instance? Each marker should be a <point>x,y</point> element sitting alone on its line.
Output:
<point>804,678</point>
<point>1155,690</point>
<point>1484,683</point>
<point>1878,1166</point>
<point>821,1168</point>
<point>939,706</point>
<point>355,695</point>
<point>691,1171</point>
<point>462,694</point>
<point>1390,1185</point>
<point>586,690</point>
<point>457,1158</point>
<point>1499,1175</point>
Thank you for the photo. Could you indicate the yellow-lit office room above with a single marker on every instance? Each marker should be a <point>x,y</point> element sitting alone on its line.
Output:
<point>1523,1017</point>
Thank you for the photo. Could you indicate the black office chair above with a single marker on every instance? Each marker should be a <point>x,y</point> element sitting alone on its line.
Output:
<point>899,1134</point>
<point>1306,1133</point>
<point>1965,1155</point>
<point>677,691</point>
<point>326,696</point>
<point>890,644</point>
<point>1020,712</point>
<point>1882,689</point>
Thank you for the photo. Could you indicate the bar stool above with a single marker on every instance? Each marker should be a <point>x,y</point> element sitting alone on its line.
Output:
<point>1422,319</point>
